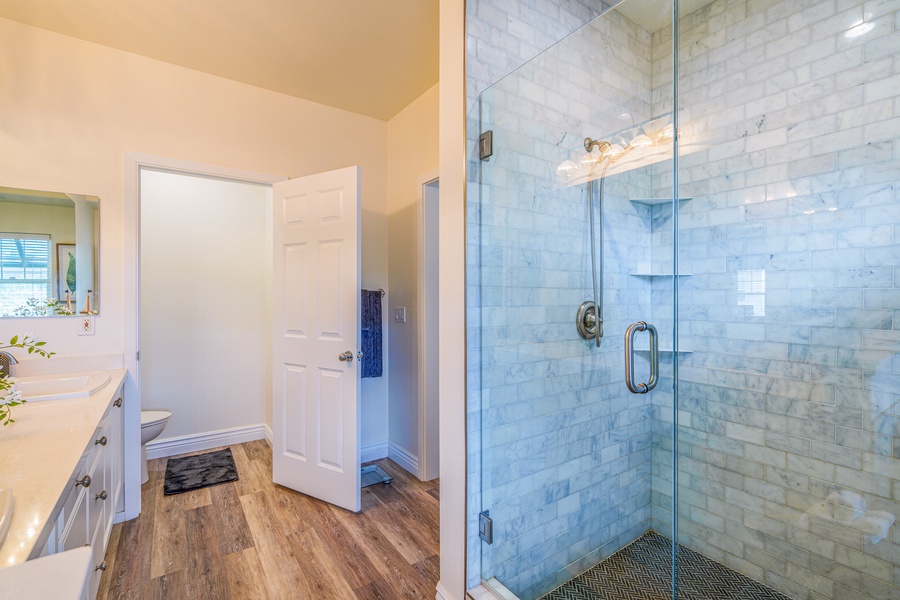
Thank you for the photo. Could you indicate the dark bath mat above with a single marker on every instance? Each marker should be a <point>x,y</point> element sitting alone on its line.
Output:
<point>199,471</point>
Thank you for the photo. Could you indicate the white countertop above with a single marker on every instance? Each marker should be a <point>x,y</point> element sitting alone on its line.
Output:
<point>62,576</point>
<point>38,457</point>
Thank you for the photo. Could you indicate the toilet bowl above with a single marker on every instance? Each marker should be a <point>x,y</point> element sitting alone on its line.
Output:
<point>152,424</point>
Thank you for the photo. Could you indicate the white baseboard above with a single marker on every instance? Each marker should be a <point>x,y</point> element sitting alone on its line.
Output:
<point>204,441</point>
<point>491,589</point>
<point>442,593</point>
<point>404,458</point>
<point>373,452</point>
<point>270,437</point>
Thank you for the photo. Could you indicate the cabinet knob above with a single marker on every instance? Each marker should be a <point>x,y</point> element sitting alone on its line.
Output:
<point>102,441</point>
<point>84,481</point>
<point>101,566</point>
<point>101,496</point>
<point>118,403</point>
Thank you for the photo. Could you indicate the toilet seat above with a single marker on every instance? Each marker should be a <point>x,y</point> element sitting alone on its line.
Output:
<point>152,417</point>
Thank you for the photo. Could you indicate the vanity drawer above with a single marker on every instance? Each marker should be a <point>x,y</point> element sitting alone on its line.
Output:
<point>75,533</point>
<point>98,564</point>
<point>69,507</point>
<point>79,522</point>
<point>98,492</point>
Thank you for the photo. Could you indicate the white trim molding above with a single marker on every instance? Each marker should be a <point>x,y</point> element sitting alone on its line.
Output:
<point>403,457</point>
<point>204,441</point>
<point>375,451</point>
<point>269,436</point>
<point>491,589</point>
<point>441,593</point>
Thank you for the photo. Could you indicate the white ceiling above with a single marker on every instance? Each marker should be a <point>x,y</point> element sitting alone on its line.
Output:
<point>653,15</point>
<point>372,57</point>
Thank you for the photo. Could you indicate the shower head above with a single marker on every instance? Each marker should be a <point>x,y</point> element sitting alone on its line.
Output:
<point>590,144</point>
<point>608,151</point>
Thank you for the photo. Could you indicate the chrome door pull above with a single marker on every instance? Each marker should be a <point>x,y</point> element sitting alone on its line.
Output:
<point>346,356</point>
<point>641,388</point>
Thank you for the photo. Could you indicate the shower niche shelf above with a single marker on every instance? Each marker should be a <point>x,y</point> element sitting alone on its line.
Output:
<point>656,201</point>
<point>667,350</point>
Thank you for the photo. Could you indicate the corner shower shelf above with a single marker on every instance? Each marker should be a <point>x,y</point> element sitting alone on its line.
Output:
<point>656,201</point>
<point>650,274</point>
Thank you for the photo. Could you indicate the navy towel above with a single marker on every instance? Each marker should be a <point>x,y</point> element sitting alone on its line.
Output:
<point>371,333</point>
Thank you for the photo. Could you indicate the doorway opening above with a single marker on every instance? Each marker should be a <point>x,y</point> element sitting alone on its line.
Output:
<point>429,387</point>
<point>202,297</point>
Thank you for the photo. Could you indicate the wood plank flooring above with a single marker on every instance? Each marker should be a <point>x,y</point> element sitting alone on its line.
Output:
<point>254,540</point>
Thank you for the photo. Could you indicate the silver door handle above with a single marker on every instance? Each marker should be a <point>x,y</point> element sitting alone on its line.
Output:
<point>641,388</point>
<point>345,356</point>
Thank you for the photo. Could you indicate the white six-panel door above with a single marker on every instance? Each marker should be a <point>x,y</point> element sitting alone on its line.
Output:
<point>316,278</point>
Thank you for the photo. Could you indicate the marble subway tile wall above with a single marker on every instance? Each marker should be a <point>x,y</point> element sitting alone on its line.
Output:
<point>789,467</point>
<point>501,35</point>
<point>564,461</point>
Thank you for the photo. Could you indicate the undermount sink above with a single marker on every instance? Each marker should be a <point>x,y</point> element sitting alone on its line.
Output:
<point>58,387</point>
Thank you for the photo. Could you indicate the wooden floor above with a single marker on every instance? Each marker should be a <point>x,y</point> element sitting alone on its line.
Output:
<point>251,539</point>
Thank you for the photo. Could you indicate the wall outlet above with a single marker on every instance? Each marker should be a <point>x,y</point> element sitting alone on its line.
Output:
<point>400,314</point>
<point>85,325</point>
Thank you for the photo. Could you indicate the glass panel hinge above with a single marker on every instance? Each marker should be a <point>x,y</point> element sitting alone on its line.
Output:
<point>486,145</point>
<point>485,528</point>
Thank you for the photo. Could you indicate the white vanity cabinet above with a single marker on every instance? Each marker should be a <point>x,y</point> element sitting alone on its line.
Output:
<point>95,494</point>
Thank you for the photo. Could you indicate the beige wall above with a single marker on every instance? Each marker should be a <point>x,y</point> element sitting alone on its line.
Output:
<point>412,139</point>
<point>204,301</point>
<point>69,110</point>
<point>452,300</point>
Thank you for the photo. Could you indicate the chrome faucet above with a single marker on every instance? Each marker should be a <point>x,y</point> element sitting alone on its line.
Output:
<point>7,360</point>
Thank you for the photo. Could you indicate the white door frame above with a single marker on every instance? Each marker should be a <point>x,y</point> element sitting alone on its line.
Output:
<point>134,162</point>
<point>428,465</point>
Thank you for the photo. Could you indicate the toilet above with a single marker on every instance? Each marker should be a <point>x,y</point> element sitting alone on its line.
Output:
<point>152,424</point>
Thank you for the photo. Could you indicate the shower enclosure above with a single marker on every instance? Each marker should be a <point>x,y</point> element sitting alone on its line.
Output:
<point>739,161</point>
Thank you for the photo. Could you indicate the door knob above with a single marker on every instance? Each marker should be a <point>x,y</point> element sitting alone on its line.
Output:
<point>346,356</point>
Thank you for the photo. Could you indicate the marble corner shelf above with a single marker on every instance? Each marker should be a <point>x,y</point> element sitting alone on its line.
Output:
<point>664,350</point>
<point>653,274</point>
<point>656,201</point>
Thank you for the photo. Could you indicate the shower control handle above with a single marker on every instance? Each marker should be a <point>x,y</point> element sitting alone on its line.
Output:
<point>641,388</point>
<point>346,356</point>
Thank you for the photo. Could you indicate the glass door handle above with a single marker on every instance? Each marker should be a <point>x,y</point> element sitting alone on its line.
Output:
<point>641,388</point>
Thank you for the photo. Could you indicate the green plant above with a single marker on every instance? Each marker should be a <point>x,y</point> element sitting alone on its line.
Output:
<point>35,307</point>
<point>9,393</point>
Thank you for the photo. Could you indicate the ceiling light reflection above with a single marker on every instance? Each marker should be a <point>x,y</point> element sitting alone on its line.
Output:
<point>858,29</point>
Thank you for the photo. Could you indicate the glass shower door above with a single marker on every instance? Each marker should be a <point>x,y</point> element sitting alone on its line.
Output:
<point>573,208</point>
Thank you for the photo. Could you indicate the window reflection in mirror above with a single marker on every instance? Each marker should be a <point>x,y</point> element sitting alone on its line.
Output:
<point>49,248</point>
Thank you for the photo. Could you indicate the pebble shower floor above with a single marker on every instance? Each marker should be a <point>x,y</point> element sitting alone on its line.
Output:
<point>642,571</point>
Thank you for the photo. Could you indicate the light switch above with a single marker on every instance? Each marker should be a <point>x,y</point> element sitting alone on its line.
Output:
<point>400,314</point>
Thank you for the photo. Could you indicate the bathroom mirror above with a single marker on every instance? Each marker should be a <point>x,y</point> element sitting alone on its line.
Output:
<point>49,249</point>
